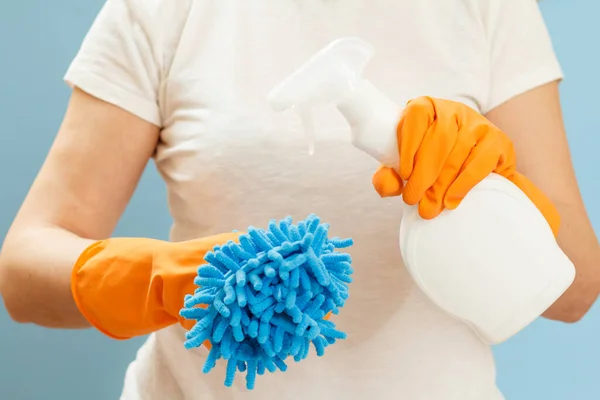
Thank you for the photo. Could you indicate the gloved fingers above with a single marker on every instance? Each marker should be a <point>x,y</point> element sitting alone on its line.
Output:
<point>431,158</point>
<point>387,182</point>
<point>417,117</point>
<point>481,161</point>
<point>541,201</point>
<point>508,161</point>
<point>432,204</point>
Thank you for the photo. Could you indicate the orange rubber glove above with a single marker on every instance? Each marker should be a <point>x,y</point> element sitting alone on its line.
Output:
<point>445,149</point>
<point>127,287</point>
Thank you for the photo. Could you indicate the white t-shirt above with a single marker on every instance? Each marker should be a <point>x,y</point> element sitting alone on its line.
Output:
<point>201,70</point>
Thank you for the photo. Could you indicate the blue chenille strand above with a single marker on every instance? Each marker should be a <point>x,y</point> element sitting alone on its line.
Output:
<point>263,301</point>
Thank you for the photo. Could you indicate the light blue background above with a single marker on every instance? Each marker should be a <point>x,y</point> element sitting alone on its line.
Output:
<point>38,38</point>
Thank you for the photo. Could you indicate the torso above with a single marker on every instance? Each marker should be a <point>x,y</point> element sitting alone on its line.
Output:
<point>230,162</point>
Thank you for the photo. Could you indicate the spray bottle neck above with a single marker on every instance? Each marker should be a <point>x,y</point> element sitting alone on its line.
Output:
<point>373,119</point>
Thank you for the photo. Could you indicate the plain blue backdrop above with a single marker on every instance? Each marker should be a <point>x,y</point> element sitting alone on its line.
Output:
<point>38,38</point>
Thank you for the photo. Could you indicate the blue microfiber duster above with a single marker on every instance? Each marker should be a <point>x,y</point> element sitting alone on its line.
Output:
<point>268,296</point>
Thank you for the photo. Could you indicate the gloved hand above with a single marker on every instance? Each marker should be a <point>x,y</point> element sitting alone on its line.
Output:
<point>127,287</point>
<point>260,300</point>
<point>445,149</point>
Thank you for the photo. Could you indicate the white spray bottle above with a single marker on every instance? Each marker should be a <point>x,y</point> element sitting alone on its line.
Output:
<point>493,262</point>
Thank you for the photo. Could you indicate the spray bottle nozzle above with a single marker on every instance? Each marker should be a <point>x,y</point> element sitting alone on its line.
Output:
<point>334,75</point>
<point>325,77</point>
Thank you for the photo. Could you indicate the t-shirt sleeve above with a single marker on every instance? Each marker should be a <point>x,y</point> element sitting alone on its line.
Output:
<point>521,52</point>
<point>119,59</point>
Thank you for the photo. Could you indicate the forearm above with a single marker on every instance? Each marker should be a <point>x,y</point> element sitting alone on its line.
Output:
<point>577,239</point>
<point>35,272</point>
<point>533,120</point>
<point>84,185</point>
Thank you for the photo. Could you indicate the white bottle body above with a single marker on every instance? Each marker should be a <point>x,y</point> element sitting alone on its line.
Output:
<point>493,262</point>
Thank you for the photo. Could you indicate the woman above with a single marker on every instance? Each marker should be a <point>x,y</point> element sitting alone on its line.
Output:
<point>184,83</point>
